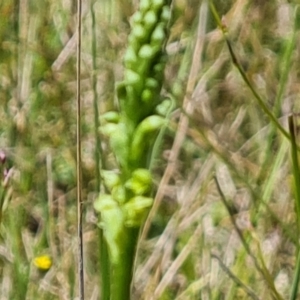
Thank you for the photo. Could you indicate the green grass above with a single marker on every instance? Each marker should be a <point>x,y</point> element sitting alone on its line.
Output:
<point>224,224</point>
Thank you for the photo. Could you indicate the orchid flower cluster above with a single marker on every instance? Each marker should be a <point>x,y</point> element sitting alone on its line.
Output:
<point>132,131</point>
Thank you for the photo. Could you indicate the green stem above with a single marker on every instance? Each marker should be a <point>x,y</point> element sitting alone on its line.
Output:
<point>296,171</point>
<point>105,268</point>
<point>296,278</point>
<point>122,272</point>
<point>104,258</point>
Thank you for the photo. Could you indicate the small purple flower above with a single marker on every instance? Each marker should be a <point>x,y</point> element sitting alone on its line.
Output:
<point>2,157</point>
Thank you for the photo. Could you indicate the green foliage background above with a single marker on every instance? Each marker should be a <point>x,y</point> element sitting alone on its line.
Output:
<point>192,250</point>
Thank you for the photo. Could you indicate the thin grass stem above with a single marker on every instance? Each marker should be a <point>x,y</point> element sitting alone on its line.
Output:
<point>296,173</point>
<point>224,155</point>
<point>285,68</point>
<point>78,163</point>
<point>238,282</point>
<point>258,262</point>
<point>235,61</point>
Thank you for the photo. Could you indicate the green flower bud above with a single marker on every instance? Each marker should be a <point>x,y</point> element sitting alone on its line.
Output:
<point>110,116</point>
<point>132,77</point>
<point>137,18</point>
<point>145,5</point>
<point>150,19</point>
<point>143,136</point>
<point>139,32</point>
<point>147,96</point>
<point>108,129</point>
<point>119,194</point>
<point>140,183</point>
<point>130,57</point>
<point>119,144</point>
<point>133,83</point>
<point>110,178</point>
<point>166,14</point>
<point>112,223</point>
<point>147,51</point>
<point>148,125</point>
<point>151,83</point>
<point>135,80</point>
<point>164,107</point>
<point>158,35</point>
<point>157,4</point>
<point>136,209</point>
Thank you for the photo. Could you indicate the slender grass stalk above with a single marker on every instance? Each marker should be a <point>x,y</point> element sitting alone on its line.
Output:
<point>258,261</point>
<point>238,282</point>
<point>78,163</point>
<point>260,101</point>
<point>255,195</point>
<point>285,66</point>
<point>239,267</point>
<point>268,186</point>
<point>295,284</point>
<point>20,267</point>
<point>265,272</point>
<point>235,61</point>
<point>290,136</point>
<point>296,173</point>
<point>98,149</point>
<point>239,232</point>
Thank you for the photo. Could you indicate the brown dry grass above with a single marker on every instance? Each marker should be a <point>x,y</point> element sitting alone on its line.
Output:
<point>192,249</point>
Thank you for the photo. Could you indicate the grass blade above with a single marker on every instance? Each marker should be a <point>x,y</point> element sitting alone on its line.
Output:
<point>296,173</point>
<point>235,61</point>
<point>78,164</point>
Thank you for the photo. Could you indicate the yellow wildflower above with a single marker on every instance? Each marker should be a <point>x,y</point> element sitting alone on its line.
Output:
<point>43,262</point>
